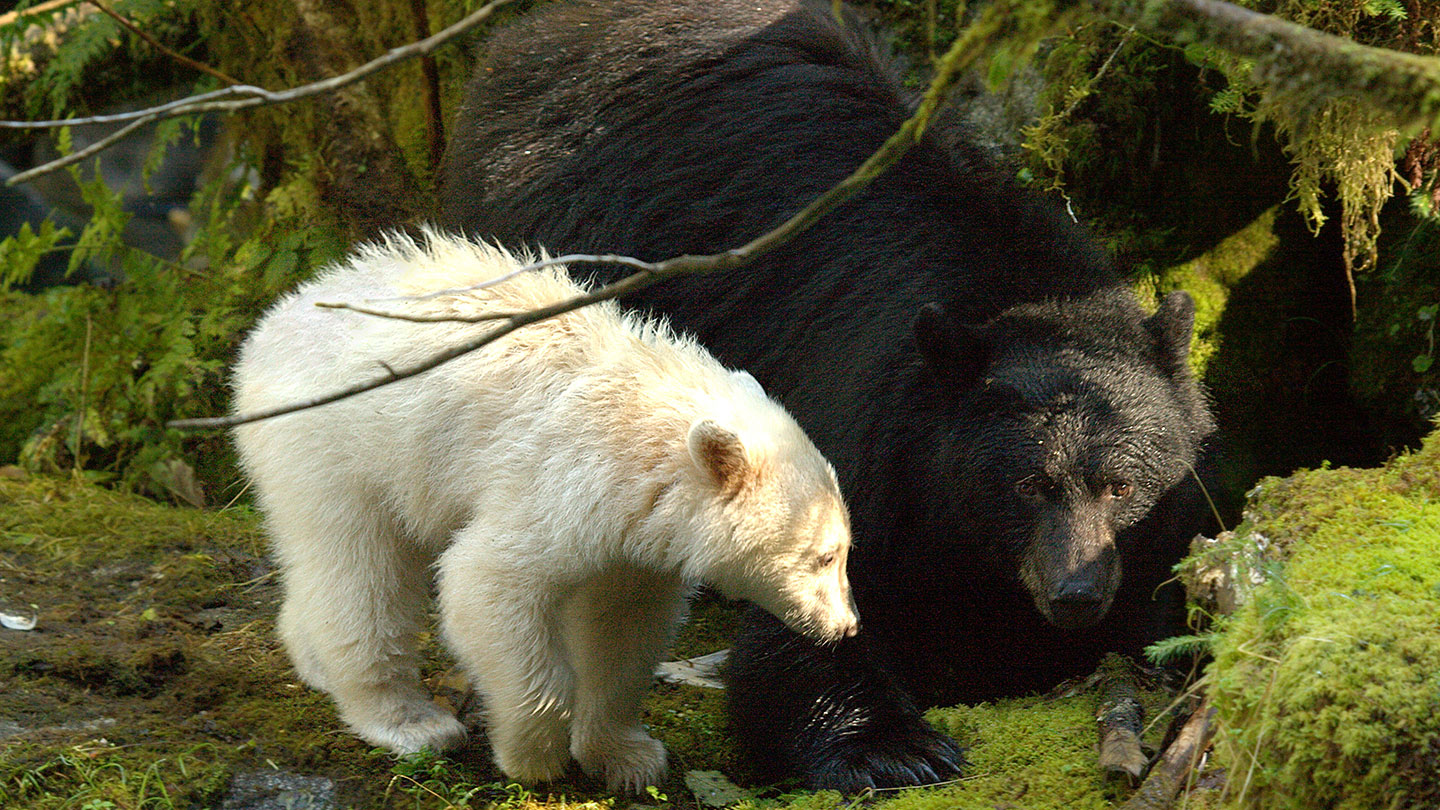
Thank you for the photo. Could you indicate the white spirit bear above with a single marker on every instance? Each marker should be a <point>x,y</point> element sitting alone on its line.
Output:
<point>570,482</point>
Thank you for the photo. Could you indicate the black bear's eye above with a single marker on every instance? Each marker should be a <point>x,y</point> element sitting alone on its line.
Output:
<point>1033,486</point>
<point>1119,489</point>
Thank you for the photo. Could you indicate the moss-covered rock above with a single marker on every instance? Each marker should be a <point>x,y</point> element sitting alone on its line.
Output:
<point>1327,679</point>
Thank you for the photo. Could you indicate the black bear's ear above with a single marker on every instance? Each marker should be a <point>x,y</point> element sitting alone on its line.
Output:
<point>720,454</point>
<point>954,348</point>
<point>1171,326</point>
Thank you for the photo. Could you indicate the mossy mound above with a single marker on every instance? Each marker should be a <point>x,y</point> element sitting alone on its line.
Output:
<point>1328,679</point>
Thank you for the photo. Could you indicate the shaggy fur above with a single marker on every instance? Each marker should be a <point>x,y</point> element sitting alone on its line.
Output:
<point>1014,434</point>
<point>572,479</point>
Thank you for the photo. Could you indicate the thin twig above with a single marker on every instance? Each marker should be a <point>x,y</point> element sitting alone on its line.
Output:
<point>402,316</point>
<point>967,48</point>
<point>569,258</point>
<point>215,101</point>
<point>637,281</point>
<point>154,43</point>
<point>75,157</point>
<point>1099,74</point>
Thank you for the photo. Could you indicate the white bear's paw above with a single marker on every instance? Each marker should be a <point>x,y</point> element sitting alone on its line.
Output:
<point>409,728</point>
<point>628,760</point>
<point>532,763</point>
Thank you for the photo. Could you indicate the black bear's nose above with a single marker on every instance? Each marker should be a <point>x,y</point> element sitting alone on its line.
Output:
<point>1075,605</point>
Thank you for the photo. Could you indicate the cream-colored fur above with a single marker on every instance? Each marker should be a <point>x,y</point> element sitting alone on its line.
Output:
<point>570,481</point>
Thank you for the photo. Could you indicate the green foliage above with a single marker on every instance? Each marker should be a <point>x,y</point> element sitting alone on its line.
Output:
<point>67,58</point>
<point>89,376</point>
<point>20,253</point>
<point>1394,351</point>
<point>428,778</point>
<point>1344,142</point>
<point>1179,648</point>
<point>1096,116</point>
<point>91,776</point>
<point>1423,361</point>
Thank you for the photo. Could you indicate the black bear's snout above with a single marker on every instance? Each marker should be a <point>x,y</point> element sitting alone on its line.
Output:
<point>1077,603</point>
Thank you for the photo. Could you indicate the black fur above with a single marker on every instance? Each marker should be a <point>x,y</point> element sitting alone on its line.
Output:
<point>990,392</point>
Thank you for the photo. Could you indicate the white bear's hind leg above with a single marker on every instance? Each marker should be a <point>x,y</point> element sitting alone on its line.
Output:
<point>616,629</point>
<point>355,598</point>
<point>497,617</point>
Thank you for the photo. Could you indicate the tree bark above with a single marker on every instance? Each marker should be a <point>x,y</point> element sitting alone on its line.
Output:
<point>363,175</point>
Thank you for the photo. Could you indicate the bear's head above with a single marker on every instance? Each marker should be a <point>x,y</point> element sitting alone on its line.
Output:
<point>1072,420</point>
<point>776,531</point>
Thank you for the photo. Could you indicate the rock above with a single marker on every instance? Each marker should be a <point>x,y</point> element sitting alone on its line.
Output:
<point>279,790</point>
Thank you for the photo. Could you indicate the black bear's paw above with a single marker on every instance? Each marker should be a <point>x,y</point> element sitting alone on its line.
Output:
<point>916,756</point>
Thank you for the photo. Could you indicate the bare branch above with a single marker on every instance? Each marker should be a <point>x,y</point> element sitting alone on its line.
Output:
<point>569,258</point>
<point>402,316</point>
<point>154,43</point>
<point>185,106</point>
<point>967,48</point>
<point>39,8</point>
<point>631,283</point>
<point>75,157</point>
<point>216,101</point>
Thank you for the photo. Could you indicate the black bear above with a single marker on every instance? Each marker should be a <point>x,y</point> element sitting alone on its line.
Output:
<point>1015,436</point>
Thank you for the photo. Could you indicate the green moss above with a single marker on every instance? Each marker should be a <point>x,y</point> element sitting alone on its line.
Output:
<point>1209,277</point>
<point>1036,753</point>
<point>1326,680</point>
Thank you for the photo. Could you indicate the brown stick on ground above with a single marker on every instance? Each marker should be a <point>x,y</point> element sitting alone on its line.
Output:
<point>1159,790</point>
<point>1121,719</point>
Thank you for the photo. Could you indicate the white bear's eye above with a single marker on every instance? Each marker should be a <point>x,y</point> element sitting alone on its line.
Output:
<point>827,559</point>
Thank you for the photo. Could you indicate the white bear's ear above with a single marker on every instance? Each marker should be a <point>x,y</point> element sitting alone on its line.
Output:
<point>744,378</point>
<point>720,454</point>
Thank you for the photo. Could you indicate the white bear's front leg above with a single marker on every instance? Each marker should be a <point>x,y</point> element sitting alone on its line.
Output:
<point>496,612</point>
<point>616,628</point>
<point>355,597</point>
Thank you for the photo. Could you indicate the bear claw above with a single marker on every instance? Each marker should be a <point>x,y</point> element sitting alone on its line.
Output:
<point>921,759</point>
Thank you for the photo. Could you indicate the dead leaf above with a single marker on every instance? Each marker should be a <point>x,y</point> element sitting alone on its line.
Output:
<point>178,478</point>
<point>703,670</point>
